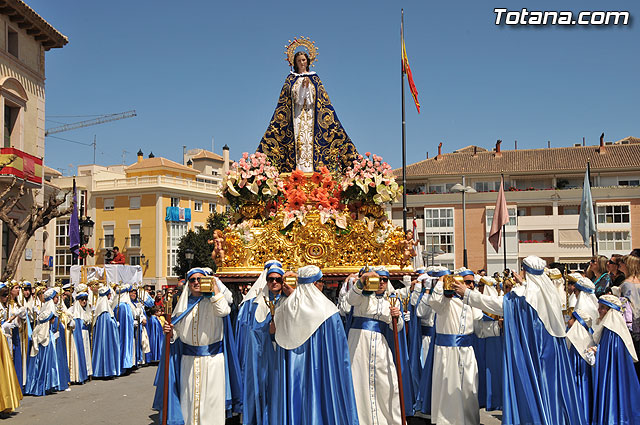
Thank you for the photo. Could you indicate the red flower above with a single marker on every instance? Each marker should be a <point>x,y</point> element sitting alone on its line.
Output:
<point>297,177</point>
<point>316,178</point>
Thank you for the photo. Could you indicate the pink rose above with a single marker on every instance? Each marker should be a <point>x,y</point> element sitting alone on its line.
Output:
<point>367,153</point>
<point>245,155</point>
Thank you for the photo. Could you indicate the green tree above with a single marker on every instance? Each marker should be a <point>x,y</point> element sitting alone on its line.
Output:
<point>198,241</point>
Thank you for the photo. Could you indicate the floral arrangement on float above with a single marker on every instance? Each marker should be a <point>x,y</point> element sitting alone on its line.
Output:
<point>334,219</point>
<point>320,192</point>
<point>256,190</point>
<point>370,182</point>
<point>252,182</point>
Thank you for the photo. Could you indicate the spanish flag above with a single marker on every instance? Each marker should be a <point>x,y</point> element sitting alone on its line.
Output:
<point>407,70</point>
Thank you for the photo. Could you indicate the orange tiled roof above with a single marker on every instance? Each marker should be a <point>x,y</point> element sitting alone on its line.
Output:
<point>205,154</point>
<point>159,162</point>
<point>527,161</point>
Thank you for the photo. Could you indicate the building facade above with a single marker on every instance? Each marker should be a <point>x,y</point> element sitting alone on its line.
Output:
<point>543,189</point>
<point>24,38</point>
<point>144,209</point>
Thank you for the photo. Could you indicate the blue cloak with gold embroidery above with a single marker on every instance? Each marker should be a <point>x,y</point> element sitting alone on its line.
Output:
<point>331,144</point>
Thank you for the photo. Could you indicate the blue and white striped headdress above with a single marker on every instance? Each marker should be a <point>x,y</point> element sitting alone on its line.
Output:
<point>203,271</point>
<point>466,272</point>
<point>270,263</point>
<point>148,301</point>
<point>275,269</point>
<point>50,294</point>
<point>534,265</point>
<point>309,274</point>
<point>585,284</point>
<point>82,296</point>
<point>382,271</point>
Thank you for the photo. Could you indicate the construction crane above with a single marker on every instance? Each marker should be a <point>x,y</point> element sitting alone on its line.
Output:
<point>88,123</point>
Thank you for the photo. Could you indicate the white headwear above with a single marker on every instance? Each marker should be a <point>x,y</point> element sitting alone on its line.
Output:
<point>556,277</point>
<point>302,313</point>
<point>541,294</point>
<point>103,305</point>
<point>579,336</point>
<point>260,282</point>
<point>406,280</point>
<point>76,311</point>
<point>614,321</point>
<point>490,286</point>
<point>40,334</point>
<point>262,309</point>
<point>585,299</point>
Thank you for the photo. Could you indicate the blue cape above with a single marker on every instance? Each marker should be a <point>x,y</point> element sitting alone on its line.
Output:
<point>105,355</point>
<point>538,387</point>
<point>313,384</point>
<point>616,398</point>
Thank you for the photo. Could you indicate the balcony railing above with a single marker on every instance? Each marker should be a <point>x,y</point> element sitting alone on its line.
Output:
<point>154,181</point>
<point>21,164</point>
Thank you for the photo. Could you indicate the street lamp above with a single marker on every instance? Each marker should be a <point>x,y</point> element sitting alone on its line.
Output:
<point>86,228</point>
<point>462,188</point>
<point>188,255</point>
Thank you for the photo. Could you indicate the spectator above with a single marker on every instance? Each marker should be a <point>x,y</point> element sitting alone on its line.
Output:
<point>630,289</point>
<point>597,272</point>
<point>118,258</point>
<point>615,275</point>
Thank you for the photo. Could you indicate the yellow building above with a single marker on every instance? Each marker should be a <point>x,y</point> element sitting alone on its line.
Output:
<point>143,209</point>
<point>24,38</point>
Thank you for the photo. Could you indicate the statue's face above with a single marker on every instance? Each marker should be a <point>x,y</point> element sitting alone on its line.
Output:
<point>301,63</point>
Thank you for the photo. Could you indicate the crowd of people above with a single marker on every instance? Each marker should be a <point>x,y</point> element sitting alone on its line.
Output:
<point>543,345</point>
<point>61,335</point>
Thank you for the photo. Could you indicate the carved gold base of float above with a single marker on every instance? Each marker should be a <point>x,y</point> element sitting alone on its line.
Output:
<point>333,249</point>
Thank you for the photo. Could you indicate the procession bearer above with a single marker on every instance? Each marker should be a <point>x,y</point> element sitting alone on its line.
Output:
<point>197,385</point>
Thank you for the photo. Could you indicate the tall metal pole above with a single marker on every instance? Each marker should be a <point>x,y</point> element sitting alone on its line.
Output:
<point>404,130</point>
<point>504,231</point>
<point>464,223</point>
<point>594,238</point>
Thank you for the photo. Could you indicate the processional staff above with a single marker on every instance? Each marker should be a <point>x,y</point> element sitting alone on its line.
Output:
<point>167,353</point>
<point>393,300</point>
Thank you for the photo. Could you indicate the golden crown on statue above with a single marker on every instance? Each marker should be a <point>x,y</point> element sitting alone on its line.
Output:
<point>304,42</point>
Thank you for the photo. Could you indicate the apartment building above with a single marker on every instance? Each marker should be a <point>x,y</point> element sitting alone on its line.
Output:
<point>543,189</point>
<point>24,38</point>
<point>143,209</point>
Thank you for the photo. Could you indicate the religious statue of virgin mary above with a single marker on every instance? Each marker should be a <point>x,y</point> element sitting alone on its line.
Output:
<point>304,132</point>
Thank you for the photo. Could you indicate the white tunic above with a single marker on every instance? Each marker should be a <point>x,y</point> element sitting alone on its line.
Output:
<point>454,390</point>
<point>375,380</point>
<point>78,312</point>
<point>202,379</point>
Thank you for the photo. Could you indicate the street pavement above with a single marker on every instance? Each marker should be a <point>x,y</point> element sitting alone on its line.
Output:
<point>124,400</point>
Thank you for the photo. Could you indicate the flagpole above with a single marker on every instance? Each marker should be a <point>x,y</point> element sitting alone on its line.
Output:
<point>594,240</point>
<point>504,232</point>
<point>404,129</point>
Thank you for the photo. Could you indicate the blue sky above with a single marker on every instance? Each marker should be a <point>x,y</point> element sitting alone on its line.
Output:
<point>195,70</point>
